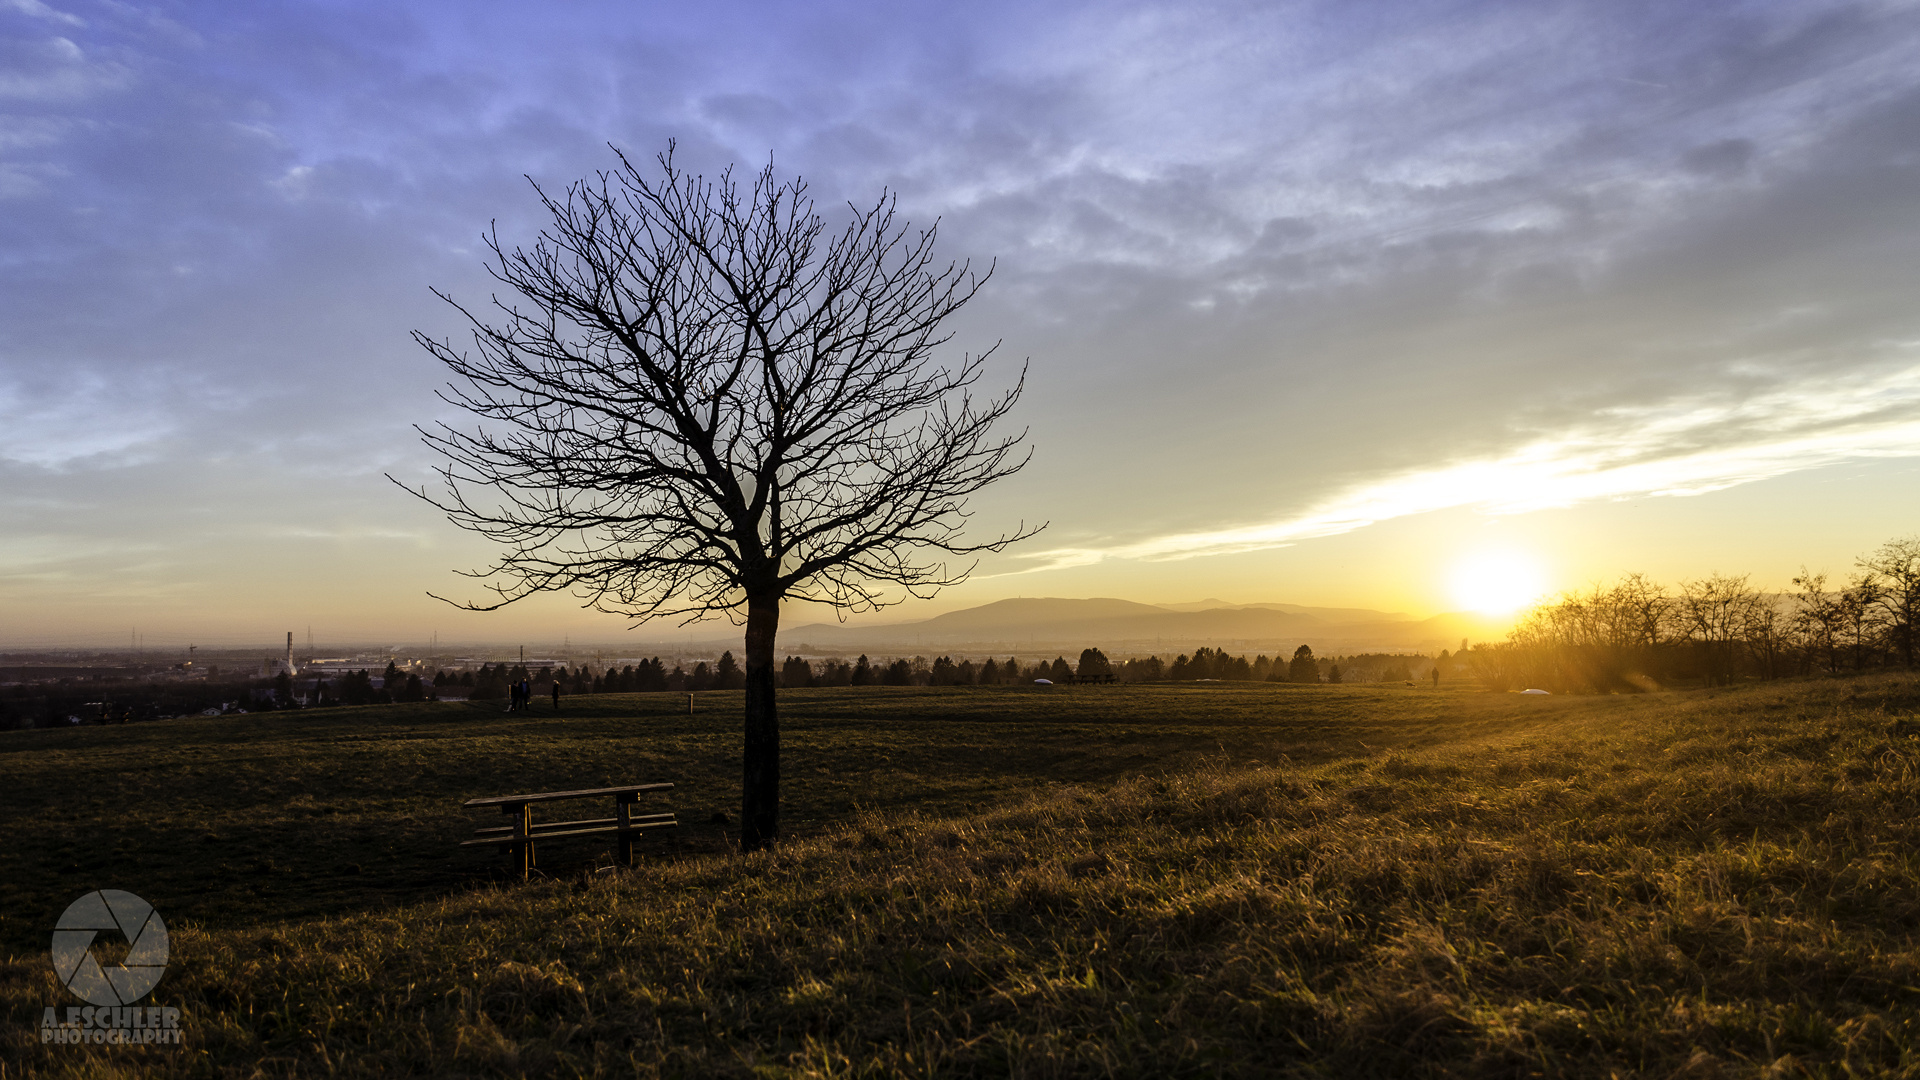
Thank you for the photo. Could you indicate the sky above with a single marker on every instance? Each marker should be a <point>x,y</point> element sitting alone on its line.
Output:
<point>1413,306</point>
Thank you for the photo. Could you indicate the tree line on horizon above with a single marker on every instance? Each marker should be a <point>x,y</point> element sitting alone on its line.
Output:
<point>1205,664</point>
<point>1637,634</point>
<point>49,706</point>
<point>653,675</point>
<point>1632,635</point>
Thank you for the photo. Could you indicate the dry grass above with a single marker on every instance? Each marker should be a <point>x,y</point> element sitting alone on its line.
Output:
<point>1693,885</point>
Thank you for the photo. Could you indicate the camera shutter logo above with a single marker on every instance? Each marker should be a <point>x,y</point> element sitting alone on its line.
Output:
<point>117,984</point>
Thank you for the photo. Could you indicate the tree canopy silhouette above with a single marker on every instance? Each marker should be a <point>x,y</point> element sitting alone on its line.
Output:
<point>703,402</point>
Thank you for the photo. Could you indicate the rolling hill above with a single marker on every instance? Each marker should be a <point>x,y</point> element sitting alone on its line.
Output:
<point>1053,623</point>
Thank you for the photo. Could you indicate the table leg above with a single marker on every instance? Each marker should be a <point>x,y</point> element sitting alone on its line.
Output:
<point>522,836</point>
<point>526,828</point>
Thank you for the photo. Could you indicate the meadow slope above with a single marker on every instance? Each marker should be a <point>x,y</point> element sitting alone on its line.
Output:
<point>1102,881</point>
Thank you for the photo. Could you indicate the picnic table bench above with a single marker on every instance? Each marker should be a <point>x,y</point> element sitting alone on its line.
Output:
<point>518,838</point>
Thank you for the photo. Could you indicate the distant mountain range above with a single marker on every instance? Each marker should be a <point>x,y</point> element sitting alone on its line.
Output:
<point>1124,626</point>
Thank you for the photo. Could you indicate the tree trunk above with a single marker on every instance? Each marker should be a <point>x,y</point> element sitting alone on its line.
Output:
<point>760,772</point>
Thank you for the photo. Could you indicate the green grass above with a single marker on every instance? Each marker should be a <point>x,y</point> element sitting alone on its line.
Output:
<point>1141,881</point>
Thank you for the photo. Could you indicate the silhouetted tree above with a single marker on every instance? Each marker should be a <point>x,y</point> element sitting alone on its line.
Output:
<point>1862,617</point>
<point>1303,668</point>
<point>1202,664</point>
<point>1496,666</point>
<point>727,674</point>
<point>1094,665</point>
<point>704,403</point>
<point>1716,611</point>
<point>1895,569</point>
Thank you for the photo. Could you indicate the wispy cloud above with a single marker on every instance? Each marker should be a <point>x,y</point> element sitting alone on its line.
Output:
<point>38,10</point>
<point>76,418</point>
<point>1494,256</point>
<point>1682,447</point>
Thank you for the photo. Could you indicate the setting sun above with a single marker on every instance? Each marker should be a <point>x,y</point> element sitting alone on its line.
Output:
<point>1497,582</point>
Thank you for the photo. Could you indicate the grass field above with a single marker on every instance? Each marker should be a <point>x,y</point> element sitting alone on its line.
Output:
<point>1141,881</point>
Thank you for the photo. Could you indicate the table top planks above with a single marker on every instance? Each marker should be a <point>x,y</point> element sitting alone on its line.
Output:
<point>555,796</point>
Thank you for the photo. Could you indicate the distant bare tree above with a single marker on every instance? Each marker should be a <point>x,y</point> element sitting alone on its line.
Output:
<point>1895,569</point>
<point>705,403</point>
<point>1716,611</point>
<point>1862,617</point>
<point>1764,631</point>
<point>1645,609</point>
<point>1819,618</point>
<point>1604,639</point>
<point>1498,667</point>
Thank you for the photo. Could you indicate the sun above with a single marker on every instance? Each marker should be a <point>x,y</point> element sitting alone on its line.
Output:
<point>1497,582</point>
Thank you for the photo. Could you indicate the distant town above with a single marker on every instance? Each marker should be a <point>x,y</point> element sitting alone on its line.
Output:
<point>51,689</point>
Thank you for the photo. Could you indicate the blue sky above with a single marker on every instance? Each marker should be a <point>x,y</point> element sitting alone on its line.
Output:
<point>1320,299</point>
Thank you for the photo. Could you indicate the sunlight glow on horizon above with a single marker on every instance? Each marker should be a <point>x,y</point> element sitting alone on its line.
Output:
<point>1674,448</point>
<point>1496,582</point>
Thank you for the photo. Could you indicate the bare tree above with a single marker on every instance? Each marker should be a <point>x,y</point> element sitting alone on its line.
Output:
<point>1862,617</point>
<point>1895,569</point>
<point>1645,608</point>
<point>1819,618</point>
<point>1764,630</point>
<point>705,403</point>
<point>1716,611</point>
<point>1604,639</point>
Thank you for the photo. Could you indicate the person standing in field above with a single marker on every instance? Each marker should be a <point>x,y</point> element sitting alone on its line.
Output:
<point>556,695</point>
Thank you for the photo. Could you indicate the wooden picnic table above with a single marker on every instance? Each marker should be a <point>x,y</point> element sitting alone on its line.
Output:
<point>518,838</point>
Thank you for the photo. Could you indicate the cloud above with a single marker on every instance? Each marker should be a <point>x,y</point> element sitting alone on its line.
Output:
<point>38,10</point>
<point>1263,256</point>
<point>1677,448</point>
<point>82,418</point>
